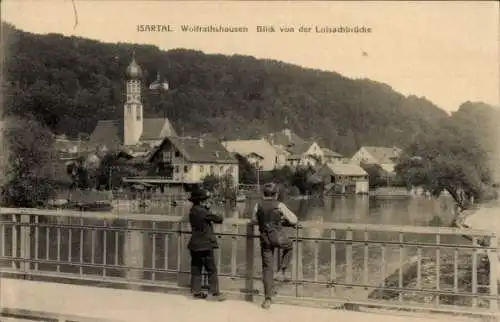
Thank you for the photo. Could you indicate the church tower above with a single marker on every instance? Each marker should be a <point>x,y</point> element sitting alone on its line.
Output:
<point>133,109</point>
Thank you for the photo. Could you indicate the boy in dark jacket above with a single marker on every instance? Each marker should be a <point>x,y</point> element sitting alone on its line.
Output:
<point>202,244</point>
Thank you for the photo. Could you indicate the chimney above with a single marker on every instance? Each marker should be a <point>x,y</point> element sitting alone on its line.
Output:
<point>288,134</point>
<point>271,137</point>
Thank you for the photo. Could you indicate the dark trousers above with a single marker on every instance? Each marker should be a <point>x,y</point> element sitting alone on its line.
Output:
<point>206,259</point>
<point>267,253</point>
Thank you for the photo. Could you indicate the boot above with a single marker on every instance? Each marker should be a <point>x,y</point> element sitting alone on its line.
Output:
<point>283,276</point>
<point>218,297</point>
<point>266,304</point>
<point>287,277</point>
<point>199,295</point>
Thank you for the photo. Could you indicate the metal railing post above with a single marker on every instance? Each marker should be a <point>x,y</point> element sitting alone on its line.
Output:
<point>25,243</point>
<point>250,256</point>
<point>494,273</point>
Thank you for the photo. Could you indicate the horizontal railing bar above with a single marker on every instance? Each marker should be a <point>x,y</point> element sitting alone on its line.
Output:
<point>323,239</point>
<point>89,214</point>
<point>445,308</point>
<point>106,266</point>
<point>484,296</point>
<point>235,221</point>
<point>303,281</point>
<point>398,289</point>
<point>316,239</point>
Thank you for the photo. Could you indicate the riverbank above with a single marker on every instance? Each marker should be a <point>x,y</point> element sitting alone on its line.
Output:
<point>480,217</point>
<point>447,282</point>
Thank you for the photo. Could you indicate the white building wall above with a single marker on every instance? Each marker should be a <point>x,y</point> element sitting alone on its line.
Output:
<point>362,156</point>
<point>362,187</point>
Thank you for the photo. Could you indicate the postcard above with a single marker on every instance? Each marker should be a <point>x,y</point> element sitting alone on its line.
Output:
<point>249,160</point>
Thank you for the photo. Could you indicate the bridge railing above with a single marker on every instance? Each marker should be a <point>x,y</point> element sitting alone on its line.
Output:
<point>401,267</point>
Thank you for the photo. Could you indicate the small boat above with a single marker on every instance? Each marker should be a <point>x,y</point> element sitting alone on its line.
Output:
<point>91,206</point>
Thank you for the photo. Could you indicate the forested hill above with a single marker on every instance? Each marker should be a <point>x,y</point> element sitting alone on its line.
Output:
<point>72,82</point>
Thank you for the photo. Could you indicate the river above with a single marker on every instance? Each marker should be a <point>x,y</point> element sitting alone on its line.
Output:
<point>418,211</point>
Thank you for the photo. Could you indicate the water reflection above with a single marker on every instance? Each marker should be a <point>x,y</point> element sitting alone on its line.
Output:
<point>417,211</point>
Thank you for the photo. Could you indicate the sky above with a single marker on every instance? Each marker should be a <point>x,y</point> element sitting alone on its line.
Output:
<point>447,52</point>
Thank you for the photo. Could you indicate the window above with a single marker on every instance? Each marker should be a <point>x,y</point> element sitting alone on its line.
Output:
<point>177,154</point>
<point>176,169</point>
<point>138,112</point>
<point>186,169</point>
<point>167,156</point>
<point>134,86</point>
<point>221,169</point>
<point>129,108</point>
<point>211,169</point>
<point>202,169</point>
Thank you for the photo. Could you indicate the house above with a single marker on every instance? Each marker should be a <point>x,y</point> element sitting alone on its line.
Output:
<point>285,138</point>
<point>132,128</point>
<point>70,149</point>
<point>385,157</point>
<point>63,144</point>
<point>299,152</point>
<point>255,159</point>
<point>306,153</point>
<point>281,157</point>
<point>187,160</point>
<point>344,178</point>
<point>332,157</point>
<point>268,156</point>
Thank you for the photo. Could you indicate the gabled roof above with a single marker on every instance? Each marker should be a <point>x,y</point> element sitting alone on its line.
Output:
<point>329,153</point>
<point>383,154</point>
<point>245,147</point>
<point>255,154</point>
<point>300,156</point>
<point>343,169</point>
<point>63,145</point>
<point>108,133</point>
<point>281,138</point>
<point>209,151</point>
<point>156,129</point>
<point>300,147</point>
<point>294,157</point>
<point>281,150</point>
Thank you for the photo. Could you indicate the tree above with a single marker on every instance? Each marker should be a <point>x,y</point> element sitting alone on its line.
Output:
<point>221,186</point>
<point>247,172</point>
<point>450,159</point>
<point>375,175</point>
<point>28,163</point>
<point>103,169</point>
<point>306,181</point>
